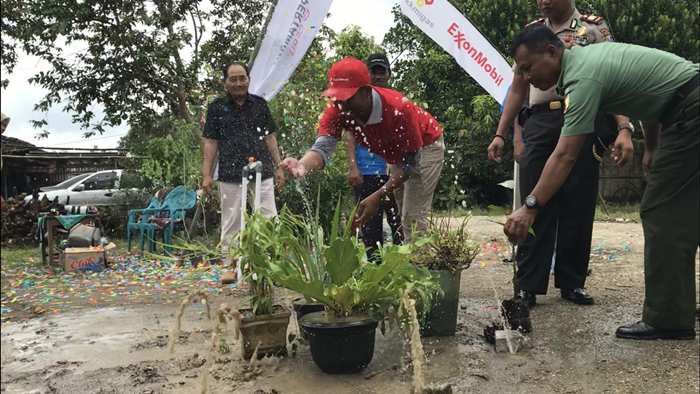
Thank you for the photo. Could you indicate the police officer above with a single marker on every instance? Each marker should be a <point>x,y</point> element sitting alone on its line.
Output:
<point>660,89</point>
<point>567,219</point>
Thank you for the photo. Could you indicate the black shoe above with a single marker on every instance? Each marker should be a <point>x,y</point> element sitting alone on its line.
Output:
<point>641,330</point>
<point>526,297</point>
<point>577,296</point>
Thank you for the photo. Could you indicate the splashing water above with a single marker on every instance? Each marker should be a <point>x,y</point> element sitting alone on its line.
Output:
<point>506,328</point>
<point>417,353</point>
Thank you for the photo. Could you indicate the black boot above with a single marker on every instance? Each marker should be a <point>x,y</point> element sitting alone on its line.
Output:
<point>641,330</point>
<point>526,297</point>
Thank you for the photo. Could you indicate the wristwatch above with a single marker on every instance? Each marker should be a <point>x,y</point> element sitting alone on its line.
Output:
<point>531,202</point>
<point>629,126</point>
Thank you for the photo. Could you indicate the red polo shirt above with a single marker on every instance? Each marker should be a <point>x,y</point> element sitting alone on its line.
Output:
<point>404,127</point>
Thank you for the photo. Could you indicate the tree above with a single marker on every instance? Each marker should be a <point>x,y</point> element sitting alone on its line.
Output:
<point>131,58</point>
<point>671,26</point>
<point>352,42</point>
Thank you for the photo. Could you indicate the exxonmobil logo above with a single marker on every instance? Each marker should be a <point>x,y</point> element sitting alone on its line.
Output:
<point>474,53</point>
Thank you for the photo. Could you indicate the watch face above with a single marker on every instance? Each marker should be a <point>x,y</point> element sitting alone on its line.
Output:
<point>530,201</point>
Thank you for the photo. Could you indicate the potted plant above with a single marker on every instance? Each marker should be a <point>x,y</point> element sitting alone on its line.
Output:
<point>357,297</point>
<point>451,253</point>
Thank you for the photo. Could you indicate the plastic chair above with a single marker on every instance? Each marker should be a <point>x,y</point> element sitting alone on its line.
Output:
<point>176,205</point>
<point>143,226</point>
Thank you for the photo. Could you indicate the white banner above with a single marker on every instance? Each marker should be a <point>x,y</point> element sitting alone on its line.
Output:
<point>455,34</point>
<point>290,32</point>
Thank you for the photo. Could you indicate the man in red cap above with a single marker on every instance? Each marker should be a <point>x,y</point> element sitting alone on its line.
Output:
<point>388,125</point>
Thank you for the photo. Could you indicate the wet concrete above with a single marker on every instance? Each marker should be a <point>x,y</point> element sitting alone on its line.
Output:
<point>572,348</point>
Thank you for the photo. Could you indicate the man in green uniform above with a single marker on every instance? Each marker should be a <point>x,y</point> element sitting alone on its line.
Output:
<point>661,90</point>
<point>567,219</point>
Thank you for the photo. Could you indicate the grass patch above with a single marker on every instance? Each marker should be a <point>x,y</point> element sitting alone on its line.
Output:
<point>614,211</point>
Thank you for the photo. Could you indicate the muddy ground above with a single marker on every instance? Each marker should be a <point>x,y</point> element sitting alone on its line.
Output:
<point>123,349</point>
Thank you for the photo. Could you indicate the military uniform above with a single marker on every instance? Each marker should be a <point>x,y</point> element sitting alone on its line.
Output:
<point>654,87</point>
<point>567,218</point>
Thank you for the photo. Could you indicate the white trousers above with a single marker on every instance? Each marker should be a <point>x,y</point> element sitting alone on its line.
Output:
<point>231,209</point>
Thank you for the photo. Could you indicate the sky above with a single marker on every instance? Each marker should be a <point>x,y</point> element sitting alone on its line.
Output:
<point>17,101</point>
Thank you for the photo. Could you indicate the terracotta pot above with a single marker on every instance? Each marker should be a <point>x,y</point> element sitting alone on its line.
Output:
<point>268,330</point>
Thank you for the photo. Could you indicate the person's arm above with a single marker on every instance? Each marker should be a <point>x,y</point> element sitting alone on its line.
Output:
<point>211,149</point>
<point>516,98</point>
<point>354,174</point>
<point>518,145</point>
<point>409,167</point>
<point>580,107</point>
<point>623,148</point>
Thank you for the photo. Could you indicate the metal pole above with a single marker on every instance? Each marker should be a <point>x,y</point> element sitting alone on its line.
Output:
<point>263,31</point>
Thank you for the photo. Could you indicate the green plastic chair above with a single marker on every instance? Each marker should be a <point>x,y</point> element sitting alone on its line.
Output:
<point>143,226</point>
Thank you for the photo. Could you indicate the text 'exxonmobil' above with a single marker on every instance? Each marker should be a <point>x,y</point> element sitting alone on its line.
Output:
<point>475,54</point>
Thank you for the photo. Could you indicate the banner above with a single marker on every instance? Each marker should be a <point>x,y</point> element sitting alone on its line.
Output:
<point>455,34</point>
<point>289,34</point>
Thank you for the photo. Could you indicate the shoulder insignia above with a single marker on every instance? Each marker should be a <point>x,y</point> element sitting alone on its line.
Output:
<point>590,18</point>
<point>541,20</point>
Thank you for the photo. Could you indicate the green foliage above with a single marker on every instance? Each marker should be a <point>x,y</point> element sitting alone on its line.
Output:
<point>171,159</point>
<point>667,25</point>
<point>453,250</point>
<point>351,42</point>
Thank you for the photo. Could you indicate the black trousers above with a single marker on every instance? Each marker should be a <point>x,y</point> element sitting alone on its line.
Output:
<point>567,217</point>
<point>372,231</point>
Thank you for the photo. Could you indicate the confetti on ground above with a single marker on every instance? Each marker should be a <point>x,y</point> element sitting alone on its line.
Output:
<point>31,288</point>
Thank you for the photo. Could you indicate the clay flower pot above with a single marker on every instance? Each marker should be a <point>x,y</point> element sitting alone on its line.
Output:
<point>268,330</point>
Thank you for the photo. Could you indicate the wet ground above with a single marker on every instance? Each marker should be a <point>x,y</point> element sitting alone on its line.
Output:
<point>573,348</point>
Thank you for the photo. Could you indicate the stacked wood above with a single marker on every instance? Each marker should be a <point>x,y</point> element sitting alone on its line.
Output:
<point>20,218</point>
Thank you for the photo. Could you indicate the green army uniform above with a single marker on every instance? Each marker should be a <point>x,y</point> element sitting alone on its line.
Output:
<point>655,87</point>
<point>564,226</point>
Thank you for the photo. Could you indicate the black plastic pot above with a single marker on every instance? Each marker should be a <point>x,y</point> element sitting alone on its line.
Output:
<point>301,308</point>
<point>340,345</point>
<point>441,319</point>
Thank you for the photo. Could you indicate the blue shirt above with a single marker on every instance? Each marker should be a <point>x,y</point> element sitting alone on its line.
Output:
<point>369,163</point>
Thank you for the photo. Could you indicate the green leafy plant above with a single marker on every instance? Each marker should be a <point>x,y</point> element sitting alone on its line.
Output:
<point>452,249</point>
<point>346,286</point>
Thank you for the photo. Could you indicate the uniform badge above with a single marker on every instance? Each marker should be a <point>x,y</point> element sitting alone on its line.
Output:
<point>566,101</point>
<point>581,30</point>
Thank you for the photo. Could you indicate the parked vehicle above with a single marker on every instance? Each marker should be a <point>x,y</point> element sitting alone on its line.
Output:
<point>96,188</point>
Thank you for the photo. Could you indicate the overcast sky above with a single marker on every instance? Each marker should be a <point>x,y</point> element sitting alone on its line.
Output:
<point>373,16</point>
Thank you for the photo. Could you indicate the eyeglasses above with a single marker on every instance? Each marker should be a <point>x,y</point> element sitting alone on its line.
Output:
<point>239,79</point>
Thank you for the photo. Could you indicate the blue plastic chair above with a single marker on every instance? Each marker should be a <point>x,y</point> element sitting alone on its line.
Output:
<point>142,225</point>
<point>176,205</point>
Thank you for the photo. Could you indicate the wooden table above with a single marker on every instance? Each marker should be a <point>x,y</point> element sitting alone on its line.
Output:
<point>51,225</point>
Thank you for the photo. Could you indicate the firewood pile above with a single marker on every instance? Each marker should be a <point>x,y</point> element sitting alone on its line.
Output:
<point>19,219</point>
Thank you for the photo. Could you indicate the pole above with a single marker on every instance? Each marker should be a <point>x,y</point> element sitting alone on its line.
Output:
<point>258,43</point>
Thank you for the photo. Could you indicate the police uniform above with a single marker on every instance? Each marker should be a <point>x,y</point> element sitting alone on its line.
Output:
<point>567,218</point>
<point>655,87</point>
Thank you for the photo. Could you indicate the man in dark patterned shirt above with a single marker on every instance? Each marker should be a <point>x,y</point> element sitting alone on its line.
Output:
<point>239,126</point>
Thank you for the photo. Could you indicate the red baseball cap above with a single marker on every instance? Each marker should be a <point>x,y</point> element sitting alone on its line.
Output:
<point>346,77</point>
